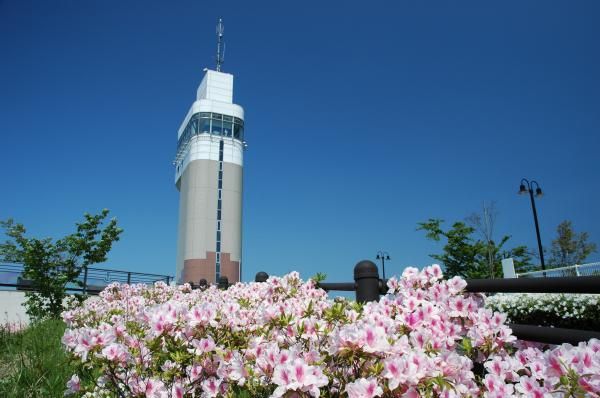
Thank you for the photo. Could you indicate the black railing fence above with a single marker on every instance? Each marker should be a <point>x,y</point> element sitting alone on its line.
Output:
<point>368,287</point>
<point>92,280</point>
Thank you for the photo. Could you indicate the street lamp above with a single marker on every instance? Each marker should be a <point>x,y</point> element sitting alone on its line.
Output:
<point>525,187</point>
<point>383,256</point>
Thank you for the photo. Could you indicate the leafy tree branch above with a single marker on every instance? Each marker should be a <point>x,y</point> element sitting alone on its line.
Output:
<point>51,265</point>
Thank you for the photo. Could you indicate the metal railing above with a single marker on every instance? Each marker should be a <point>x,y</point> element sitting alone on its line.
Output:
<point>590,269</point>
<point>92,280</point>
<point>368,287</point>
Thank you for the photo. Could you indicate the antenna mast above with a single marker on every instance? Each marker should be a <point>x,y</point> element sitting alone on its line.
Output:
<point>220,53</point>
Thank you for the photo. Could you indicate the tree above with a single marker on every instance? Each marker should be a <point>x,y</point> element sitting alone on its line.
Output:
<point>463,255</point>
<point>460,256</point>
<point>52,265</point>
<point>569,247</point>
<point>484,225</point>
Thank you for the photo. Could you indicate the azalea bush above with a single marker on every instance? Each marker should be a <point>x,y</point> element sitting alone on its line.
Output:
<point>286,338</point>
<point>575,311</point>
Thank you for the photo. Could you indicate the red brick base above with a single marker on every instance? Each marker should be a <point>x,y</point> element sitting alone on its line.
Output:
<point>196,269</point>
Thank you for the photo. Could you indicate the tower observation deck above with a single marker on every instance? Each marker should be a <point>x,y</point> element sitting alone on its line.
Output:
<point>208,175</point>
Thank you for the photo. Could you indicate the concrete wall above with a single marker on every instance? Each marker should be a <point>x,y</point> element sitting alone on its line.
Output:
<point>196,242</point>
<point>11,307</point>
<point>232,211</point>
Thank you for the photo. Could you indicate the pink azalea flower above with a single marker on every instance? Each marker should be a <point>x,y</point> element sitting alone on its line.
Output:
<point>116,352</point>
<point>364,388</point>
<point>210,387</point>
<point>177,390</point>
<point>155,389</point>
<point>73,385</point>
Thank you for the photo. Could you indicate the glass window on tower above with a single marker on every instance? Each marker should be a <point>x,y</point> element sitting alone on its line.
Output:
<point>238,130</point>
<point>204,126</point>
<point>186,134</point>
<point>217,126</point>
<point>227,126</point>
<point>227,129</point>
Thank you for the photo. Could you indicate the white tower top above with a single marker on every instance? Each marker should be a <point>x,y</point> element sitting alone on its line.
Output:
<point>215,94</point>
<point>216,86</point>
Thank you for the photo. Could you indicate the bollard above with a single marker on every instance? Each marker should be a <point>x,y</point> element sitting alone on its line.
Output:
<point>223,283</point>
<point>366,279</point>
<point>261,277</point>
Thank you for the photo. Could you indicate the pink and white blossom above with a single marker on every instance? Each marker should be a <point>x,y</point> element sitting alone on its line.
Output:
<point>286,338</point>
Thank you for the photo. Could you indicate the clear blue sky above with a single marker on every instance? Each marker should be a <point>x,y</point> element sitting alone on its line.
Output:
<point>362,119</point>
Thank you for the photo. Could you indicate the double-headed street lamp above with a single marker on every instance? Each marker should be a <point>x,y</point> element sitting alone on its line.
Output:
<point>527,186</point>
<point>383,256</point>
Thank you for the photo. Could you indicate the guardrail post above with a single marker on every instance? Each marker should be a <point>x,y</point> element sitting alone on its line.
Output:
<point>577,269</point>
<point>85,275</point>
<point>261,277</point>
<point>129,278</point>
<point>223,283</point>
<point>202,284</point>
<point>366,279</point>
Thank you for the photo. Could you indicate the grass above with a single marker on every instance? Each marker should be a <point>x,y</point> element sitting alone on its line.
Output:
<point>33,362</point>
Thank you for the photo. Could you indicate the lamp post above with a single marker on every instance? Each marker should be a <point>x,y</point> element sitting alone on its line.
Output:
<point>527,186</point>
<point>381,255</point>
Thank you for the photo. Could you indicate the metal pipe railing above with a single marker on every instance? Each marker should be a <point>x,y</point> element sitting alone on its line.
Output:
<point>568,284</point>
<point>91,280</point>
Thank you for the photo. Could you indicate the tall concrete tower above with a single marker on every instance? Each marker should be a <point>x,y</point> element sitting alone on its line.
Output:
<point>208,176</point>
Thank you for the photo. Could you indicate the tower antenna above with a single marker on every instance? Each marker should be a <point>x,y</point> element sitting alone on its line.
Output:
<point>220,53</point>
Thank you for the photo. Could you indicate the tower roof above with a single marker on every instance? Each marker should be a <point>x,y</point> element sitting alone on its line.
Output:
<point>216,86</point>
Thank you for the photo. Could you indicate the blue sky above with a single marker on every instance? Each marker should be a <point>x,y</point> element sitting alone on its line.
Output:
<point>362,119</point>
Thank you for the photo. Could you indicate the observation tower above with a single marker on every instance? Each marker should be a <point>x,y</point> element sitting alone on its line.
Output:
<point>208,175</point>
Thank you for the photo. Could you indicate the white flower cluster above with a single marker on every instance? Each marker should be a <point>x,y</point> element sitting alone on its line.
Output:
<point>555,306</point>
